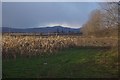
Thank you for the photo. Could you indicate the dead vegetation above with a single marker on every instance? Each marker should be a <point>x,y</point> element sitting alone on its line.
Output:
<point>33,46</point>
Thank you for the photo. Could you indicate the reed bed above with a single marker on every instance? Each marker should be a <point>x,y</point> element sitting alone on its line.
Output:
<point>38,45</point>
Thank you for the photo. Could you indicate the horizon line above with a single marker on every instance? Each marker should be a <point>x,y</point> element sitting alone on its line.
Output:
<point>42,27</point>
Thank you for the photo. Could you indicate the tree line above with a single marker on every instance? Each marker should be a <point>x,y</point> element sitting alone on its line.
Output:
<point>103,21</point>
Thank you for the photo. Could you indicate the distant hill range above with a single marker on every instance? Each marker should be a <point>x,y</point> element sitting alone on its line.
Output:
<point>54,29</point>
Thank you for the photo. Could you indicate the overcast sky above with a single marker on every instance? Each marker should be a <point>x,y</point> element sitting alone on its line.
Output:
<point>39,14</point>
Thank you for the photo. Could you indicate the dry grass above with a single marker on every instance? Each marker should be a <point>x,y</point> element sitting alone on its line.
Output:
<point>38,45</point>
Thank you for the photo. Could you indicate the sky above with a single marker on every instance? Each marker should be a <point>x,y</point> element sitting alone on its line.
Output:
<point>46,14</point>
<point>59,0</point>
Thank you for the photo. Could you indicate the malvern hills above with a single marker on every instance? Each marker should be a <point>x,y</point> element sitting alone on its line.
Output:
<point>54,29</point>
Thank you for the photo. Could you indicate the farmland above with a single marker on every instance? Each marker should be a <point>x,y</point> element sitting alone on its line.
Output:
<point>32,45</point>
<point>60,40</point>
<point>59,56</point>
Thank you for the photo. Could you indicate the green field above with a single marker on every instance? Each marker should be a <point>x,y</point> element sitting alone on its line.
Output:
<point>68,63</point>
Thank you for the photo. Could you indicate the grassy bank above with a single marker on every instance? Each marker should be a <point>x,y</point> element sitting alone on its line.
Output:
<point>69,63</point>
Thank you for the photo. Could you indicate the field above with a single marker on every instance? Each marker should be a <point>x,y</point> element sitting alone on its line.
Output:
<point>33,46</point>
<point>59,56</point>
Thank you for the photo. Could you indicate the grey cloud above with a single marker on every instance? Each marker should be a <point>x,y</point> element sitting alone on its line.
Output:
<point>34,14</point>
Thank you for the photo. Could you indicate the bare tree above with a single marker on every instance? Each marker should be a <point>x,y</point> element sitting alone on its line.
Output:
<point>110,11</point>
<point>111,16</point>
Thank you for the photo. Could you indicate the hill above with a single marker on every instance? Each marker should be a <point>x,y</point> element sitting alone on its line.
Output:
<point>54,29</point>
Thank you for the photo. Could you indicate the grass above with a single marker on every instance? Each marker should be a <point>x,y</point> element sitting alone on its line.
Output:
<point>69,63</point>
